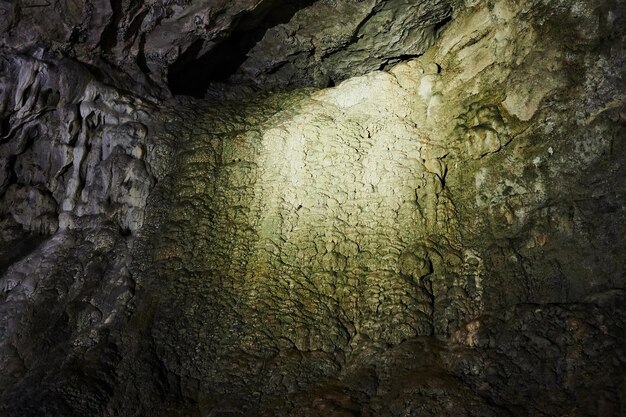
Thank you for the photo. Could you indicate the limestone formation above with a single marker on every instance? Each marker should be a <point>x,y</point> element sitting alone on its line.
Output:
<point>374,208</point>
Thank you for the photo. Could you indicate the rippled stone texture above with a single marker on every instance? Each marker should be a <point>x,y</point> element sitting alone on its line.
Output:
<point>444,237</point>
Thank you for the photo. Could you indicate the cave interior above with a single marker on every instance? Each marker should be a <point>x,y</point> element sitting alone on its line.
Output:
<point>329,208</point>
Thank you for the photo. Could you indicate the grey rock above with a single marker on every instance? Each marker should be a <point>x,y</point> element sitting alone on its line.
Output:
<point>365,36</point>
<point>441,235</point>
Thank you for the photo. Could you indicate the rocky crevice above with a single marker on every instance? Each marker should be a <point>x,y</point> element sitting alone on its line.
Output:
<point>192,74</point>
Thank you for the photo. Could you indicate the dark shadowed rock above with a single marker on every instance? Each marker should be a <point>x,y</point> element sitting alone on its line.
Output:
<point>440,232</point>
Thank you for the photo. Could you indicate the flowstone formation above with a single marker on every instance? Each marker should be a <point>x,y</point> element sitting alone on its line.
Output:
<point>441,233</point>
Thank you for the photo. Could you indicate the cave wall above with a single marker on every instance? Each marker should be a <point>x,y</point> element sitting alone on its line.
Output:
<point>77,168</point>
<point>442,235</point>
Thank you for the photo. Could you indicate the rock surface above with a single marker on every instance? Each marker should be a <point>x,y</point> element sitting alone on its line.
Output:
<point>364,36</point>
<point>442,234</point>
<point>187,44</point>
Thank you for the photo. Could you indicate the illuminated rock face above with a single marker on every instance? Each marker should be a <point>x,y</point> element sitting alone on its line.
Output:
<point>346,210</point>
<point>444,237</point>
<point>327,221</point>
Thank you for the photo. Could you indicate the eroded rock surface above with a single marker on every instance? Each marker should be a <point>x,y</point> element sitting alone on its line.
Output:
<point>444,236</point>
<point>79,159</point>
<point>186,45</point>
<point>365,36</point>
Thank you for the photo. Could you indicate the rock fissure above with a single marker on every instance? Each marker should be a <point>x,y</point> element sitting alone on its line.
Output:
<point>193,72</point>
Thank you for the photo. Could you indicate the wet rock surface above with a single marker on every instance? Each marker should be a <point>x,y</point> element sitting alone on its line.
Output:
<point>440,235</point>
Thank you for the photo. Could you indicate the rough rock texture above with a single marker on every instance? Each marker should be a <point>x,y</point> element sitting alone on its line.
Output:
<point>443,237</point>
<point>77,167</point>
<point>139,37</point>
<point>364,36</point>
<point>187,44</point>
